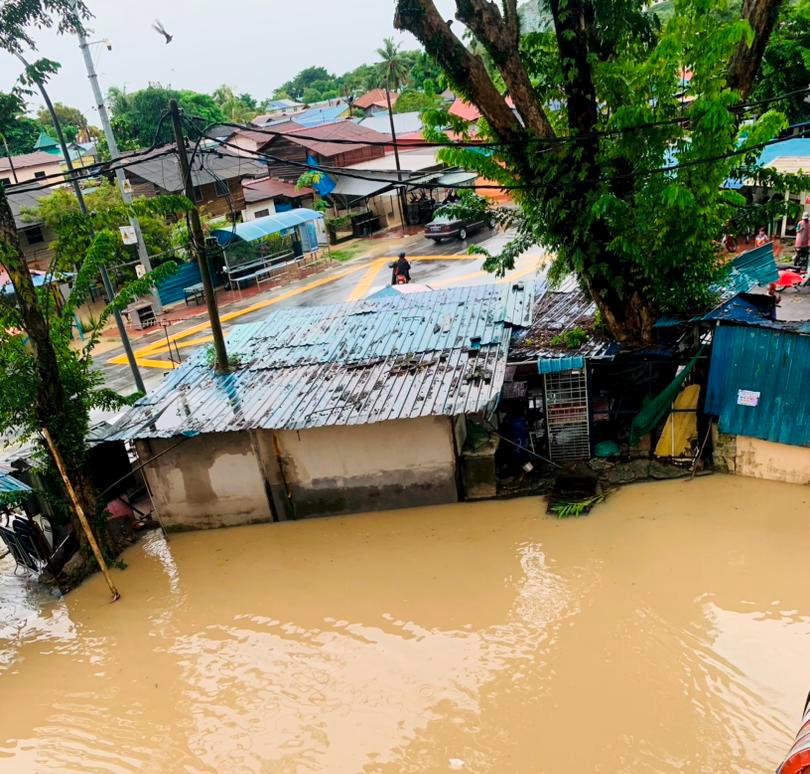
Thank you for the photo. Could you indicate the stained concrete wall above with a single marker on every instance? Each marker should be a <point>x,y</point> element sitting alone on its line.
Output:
<point>394,464</point>
<point>753,457</point>
<point>213,480</point>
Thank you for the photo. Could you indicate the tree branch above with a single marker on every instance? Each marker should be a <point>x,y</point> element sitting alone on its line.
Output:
<point>465,70</point>
<point>744,64</point>
<point>500,36</point>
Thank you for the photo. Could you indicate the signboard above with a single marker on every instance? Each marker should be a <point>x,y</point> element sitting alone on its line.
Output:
<point>128,235</point>
<point>139,270</point>
<point>127,186</point>
<point>747,398</point>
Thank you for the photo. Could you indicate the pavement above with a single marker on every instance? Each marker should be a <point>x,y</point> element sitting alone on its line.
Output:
<point>186,329</point>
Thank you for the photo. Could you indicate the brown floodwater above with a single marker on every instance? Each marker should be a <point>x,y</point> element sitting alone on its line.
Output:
<point>668,631</point>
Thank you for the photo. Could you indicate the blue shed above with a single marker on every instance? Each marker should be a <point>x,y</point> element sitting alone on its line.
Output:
<point>759,382</point>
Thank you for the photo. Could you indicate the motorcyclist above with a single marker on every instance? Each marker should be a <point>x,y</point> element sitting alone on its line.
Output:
<point>401,269</point>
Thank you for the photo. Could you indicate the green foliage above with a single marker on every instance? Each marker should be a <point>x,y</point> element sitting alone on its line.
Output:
<point>411,100</point>
<point>75,232</point>
<point>20,131</point>
<point>136,117</point>
<point>239,108</point>
<point>632,235</point>
<point>571,339</point>
<point>71,120</point>
<point>565,509</point>
<point>234,361</point>
<point>393,67</point>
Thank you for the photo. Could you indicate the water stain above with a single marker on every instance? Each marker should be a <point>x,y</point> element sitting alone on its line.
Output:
<point>667,632</point>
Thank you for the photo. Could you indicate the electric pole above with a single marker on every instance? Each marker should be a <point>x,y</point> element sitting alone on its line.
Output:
<point>143,255</point>
<point>105,277</point>
<point>198,241</point>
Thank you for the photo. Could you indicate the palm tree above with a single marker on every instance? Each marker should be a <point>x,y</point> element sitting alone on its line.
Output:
<point>394,75</point>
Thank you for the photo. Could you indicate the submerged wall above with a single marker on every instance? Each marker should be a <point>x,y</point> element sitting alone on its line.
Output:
<point>346,469</point>
<point>753,457</point>
<point>212,480</point>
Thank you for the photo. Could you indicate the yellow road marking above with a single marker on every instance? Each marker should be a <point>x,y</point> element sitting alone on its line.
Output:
<point>363,286</point>
<point>162,346</point>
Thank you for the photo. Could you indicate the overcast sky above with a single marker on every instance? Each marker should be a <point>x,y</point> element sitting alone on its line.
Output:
<point>251,45</point>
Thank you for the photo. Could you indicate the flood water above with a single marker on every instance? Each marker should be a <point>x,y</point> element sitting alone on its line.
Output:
<point>669,631</point>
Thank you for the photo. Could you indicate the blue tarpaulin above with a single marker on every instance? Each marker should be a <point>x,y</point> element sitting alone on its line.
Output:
<point>325,184</point>
<point>262,227</point>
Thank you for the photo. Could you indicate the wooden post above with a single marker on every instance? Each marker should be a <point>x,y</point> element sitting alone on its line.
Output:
<point>91,538</point>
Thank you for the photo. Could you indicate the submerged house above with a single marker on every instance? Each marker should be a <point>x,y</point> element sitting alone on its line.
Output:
<point>331,409</point>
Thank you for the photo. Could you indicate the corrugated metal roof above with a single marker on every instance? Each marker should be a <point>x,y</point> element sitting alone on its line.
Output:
<point>317,116</point>
<point>558,309</point>
<point>269,188</point>
<point>774,364</point>
<point>439,353</point>
<point>10,485</point>
<point>26,198</point>
<point>208,167</point>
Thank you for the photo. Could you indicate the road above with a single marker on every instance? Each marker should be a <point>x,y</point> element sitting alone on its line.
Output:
<point>437,266</point>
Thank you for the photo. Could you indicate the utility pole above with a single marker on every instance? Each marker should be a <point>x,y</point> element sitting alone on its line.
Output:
<point>143,255</point>
<point>198,241</point>
<point>105,277</point>
<point>400,190</point>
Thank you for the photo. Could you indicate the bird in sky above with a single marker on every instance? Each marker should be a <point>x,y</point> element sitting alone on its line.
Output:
<point>158,27</point>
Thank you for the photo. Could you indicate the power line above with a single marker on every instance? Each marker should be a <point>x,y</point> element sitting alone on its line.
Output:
<point>558,140</point>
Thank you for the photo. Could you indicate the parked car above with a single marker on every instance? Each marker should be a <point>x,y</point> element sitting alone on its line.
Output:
<point>445,227</point>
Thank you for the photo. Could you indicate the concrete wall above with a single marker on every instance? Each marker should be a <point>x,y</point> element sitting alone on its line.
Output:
<point>209,481</point>
<point>394,464</point>
<point>249,213</point>
<point>26,173</point>
<point>753,457</point>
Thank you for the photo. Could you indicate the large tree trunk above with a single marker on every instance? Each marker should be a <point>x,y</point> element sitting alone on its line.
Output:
<point>744,65</point>
<point>51,403</point>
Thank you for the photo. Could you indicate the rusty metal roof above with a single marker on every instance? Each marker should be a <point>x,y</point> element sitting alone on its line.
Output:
<point>438,353</point>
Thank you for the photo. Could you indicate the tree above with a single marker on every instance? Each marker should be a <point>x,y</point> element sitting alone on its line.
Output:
<point>640,241</point>
<point>412,100</point>
<point>71,119</point>
<point>295,87</point>
<point>786,63</point>
<point>393,66</point>
<point>20,131</point>
<point>136,116</point>
<point>75,232</point>
<point>240,109</point>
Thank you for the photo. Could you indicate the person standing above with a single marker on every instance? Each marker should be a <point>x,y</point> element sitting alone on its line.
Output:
<point>802,240</point>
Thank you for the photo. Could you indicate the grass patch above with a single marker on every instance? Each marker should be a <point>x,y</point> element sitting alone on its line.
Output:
<point>346,253</point>
<point>572,339</point>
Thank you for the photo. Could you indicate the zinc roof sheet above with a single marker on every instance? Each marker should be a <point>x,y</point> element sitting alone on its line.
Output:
<point>438,353</point>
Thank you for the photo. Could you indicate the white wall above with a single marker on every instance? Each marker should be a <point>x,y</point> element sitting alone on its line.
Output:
<point>774,461</point>
<point>249,213</point>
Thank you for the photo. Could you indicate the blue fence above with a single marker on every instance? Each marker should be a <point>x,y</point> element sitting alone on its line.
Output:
<point>758,383</point>
<point>171,289</point>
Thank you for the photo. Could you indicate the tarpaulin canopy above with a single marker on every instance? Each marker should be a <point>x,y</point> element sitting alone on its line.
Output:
<point>252,230</point>
<point>655,410</point>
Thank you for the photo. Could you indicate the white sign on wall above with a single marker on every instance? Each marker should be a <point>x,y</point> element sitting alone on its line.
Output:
<point>127,185</point>
<point>128,235</point>
<point>747,398</point>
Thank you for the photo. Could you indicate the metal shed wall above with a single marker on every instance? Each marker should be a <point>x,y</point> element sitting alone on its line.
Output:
<point>775,364</point>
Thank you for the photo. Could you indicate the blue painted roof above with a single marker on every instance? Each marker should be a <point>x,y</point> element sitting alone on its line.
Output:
<point>796,146</point>
<point>752,269</point>
<point>318,116</point>
<point>438,353</point>
<point>775,364</point>
<point>262,227</point>
<point>11,486</point>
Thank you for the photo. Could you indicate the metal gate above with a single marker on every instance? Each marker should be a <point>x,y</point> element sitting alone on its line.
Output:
<point>567,415</point>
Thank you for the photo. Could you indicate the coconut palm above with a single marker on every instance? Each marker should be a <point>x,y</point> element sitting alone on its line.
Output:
<point>393,68</point>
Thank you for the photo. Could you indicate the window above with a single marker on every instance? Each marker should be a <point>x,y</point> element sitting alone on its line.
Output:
<point>198,197</point>
<point>261,213</point>
<point>39,175</point>
<point>221,188</point>
<point>34,235</point>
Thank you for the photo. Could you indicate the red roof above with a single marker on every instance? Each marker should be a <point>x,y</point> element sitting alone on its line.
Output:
<point>35,159</point>
<point>375,97</point>
<point>470,112</point>
<point>317,138</point>
<point>269,188</point>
